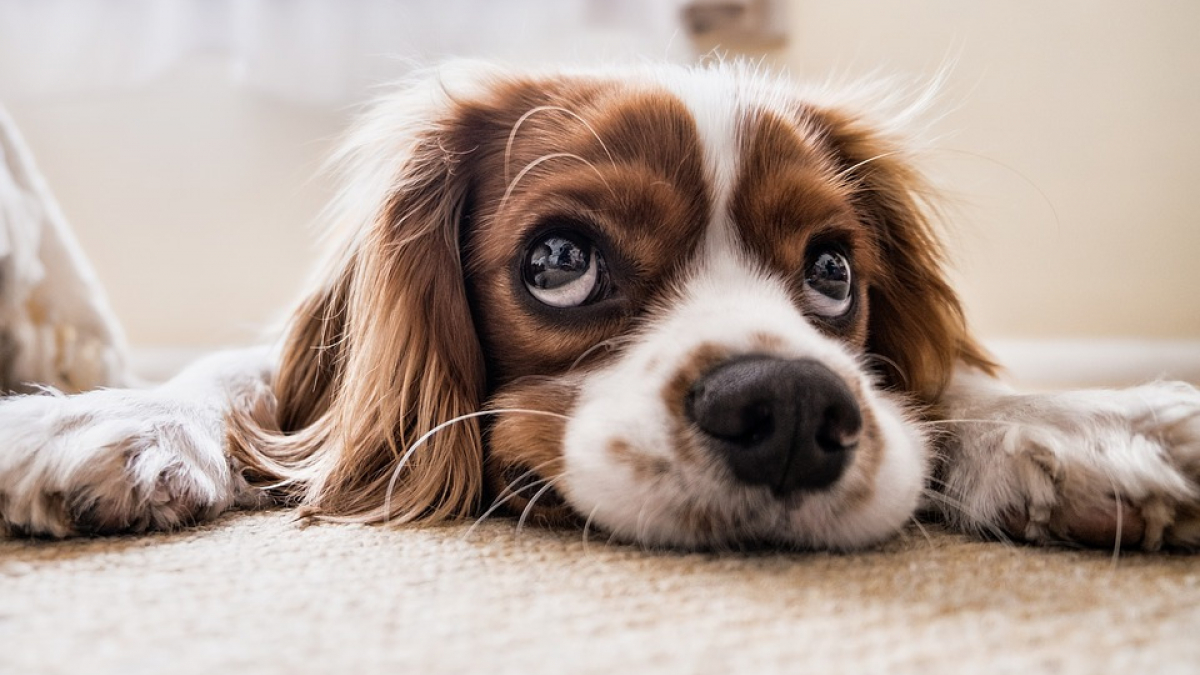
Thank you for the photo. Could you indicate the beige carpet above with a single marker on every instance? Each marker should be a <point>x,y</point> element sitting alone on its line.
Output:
<point>259,593</point>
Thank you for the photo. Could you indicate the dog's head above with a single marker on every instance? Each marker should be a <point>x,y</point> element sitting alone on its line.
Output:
<point>699,303</point>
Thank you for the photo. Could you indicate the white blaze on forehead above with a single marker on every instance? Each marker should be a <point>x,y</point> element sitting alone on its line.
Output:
<point>712,97</point>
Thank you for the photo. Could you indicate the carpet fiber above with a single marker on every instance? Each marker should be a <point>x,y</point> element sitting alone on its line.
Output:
<point>260,593</point>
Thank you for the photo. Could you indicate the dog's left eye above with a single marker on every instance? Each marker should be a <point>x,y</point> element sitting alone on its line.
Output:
<point>564,270</point>
<point>827,284</point>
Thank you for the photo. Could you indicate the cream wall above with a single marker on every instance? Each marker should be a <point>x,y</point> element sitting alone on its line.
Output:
<point>1068,146</point>
<point>194,199</point>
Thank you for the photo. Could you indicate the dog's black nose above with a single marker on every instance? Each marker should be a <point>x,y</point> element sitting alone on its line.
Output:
<point>789,425</point>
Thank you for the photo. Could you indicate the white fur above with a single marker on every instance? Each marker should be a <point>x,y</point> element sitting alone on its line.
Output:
<point>125,459</point>
<point>714,100</point>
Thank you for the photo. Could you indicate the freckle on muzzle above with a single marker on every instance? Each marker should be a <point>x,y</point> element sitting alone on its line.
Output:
<point>789,425</point>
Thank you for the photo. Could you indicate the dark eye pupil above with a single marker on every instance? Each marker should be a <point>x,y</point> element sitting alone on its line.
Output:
<point>556,261</point>
<point>829,274</point>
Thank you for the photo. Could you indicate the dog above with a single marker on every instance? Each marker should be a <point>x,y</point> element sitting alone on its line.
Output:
<point>694,307</point>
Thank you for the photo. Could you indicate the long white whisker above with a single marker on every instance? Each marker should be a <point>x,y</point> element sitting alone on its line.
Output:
<point>1112,481</point>
<point>599,345</point>
<point>512,135</point>
<point>586,525</point>
<point>387,502</point>
<point>516,492</point>
<point>544,158</point>
<point>917,521</point>
<point>965,420</point>
<point>529,507</point>
<point>1026,179</point>
<point>507,495</point>
<point>1116,557</point>
<point>883,359</point>
<point>948,501</point>
<point>854,167</point>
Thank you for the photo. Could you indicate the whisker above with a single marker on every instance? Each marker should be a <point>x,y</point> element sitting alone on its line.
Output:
<point>939,481</point>
<point>1116,555</point>
<point>586,525</point>
<point>529,507</point>
<point>545,158</point>
<point>967,514</point>
<point>642,525</point>
<point>512,135</point>
<point>921,528</point>
<point>509,492</point>
<point>841,175</point>
<point>936,433</point>
<point>612,536</point>
<point>603,344</point>
<point>515,492</point>
<point>965,420</point>
<point>1026,179</point>
<point>391,488</point>
<point>895,366</point>
<point>1112,481</point>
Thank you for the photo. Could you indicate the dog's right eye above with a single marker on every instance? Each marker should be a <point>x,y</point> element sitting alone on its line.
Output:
<point>564,270</point>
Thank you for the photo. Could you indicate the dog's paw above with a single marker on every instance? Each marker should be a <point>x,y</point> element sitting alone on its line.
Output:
<point>109,461</point>
<point>1089,467</point>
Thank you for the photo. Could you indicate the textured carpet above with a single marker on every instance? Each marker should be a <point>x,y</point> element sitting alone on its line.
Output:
<point>260,593</point>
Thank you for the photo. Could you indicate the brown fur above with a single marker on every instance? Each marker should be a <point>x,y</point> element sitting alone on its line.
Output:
<point>528,446</point>
<point>654,210</point>
<point>377,359</point>
<point>787,198</point>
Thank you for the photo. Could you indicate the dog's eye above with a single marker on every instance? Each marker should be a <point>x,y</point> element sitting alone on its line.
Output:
<point>827,284</point>
<point>564,271</point>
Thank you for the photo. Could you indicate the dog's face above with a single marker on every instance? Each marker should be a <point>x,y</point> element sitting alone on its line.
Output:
<point>688,296</point>
<point>682,273</point>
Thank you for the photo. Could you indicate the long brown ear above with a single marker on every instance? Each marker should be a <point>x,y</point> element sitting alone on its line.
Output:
<point>916,320</point>
<point>384,350</point>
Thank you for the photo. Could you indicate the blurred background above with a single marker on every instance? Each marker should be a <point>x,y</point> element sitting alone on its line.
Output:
<point>183,139</point>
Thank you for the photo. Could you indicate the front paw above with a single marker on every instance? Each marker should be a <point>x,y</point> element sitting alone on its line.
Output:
<point>1090,467</point>
<point>108,461</point>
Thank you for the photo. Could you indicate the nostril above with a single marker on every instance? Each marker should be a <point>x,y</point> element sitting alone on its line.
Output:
<point>841,428</point>
<point>834,441</point>
<point>735,404</point>
<point>750,425</point>
<point>759,421</point>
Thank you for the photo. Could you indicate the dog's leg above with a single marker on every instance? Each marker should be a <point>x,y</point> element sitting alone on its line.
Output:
<point>1088,467</point>
<point>124,460</point>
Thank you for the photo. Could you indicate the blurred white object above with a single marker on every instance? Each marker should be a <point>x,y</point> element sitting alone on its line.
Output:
<point>326,51</point>
<point>55,324</point>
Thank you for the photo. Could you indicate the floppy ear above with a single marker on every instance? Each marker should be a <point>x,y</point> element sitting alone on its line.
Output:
<point>385,349</point>
<point>916,321</point>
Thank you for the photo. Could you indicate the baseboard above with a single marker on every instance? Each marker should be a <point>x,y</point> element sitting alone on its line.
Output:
<point>1033,363</point>
<point>158,363</point>
<point>1096,363</point>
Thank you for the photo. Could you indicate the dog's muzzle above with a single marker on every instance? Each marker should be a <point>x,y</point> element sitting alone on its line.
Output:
<point>790,425</point>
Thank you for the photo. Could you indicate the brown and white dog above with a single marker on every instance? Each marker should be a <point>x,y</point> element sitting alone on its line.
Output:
<point>693,307</point>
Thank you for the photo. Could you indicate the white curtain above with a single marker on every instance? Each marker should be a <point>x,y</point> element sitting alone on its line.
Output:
<point>326,51</point>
